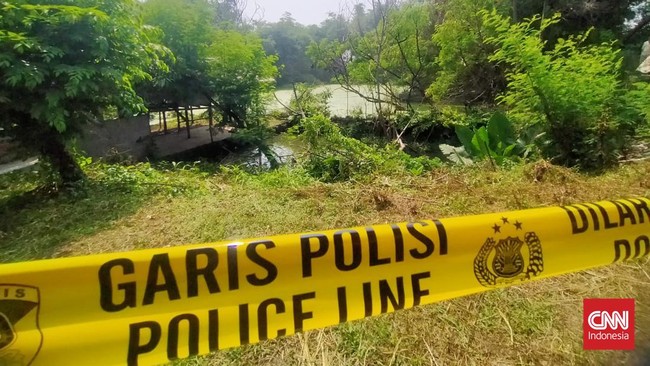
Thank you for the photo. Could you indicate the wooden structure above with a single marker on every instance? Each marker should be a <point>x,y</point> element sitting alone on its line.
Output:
<point>185,113</point>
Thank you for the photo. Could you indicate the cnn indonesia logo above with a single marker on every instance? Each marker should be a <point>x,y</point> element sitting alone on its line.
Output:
<point>608,324</point>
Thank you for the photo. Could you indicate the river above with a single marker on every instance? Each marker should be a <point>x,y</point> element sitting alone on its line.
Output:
<point>342,103</point>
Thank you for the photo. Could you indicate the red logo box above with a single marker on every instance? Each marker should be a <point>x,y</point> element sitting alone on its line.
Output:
<point>608,324</point>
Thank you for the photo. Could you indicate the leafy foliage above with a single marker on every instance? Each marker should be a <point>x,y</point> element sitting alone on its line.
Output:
<point>398,52</point>
<point>65,55</point>
<point>332,156</point>
<point>240,75</point>
<point>466,74</point>
<point>390,64</point>
<point>226,65</point>
<point>572,90</point>
<point>288,40</point>
<point>62,65</point>
<point>306,101</point>
<point>496,142</point>
<point>185,28</point>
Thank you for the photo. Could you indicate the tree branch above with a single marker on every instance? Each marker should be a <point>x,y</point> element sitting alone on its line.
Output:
<point>637,28</point>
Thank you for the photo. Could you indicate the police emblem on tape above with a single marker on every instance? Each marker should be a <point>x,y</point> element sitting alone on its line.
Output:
<point>506,258</point>
<point>20,336</point>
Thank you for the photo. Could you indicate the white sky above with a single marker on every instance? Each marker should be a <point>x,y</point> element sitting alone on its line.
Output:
<point>304,11</point>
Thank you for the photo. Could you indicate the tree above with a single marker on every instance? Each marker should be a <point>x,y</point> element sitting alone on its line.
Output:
<point>466,74</point>
<point>607,17</point>
<point>641,21</point>
<point>573,91</point>
<point>288,40</point>
<point>239,75</point>
<point>335,28</point>
<point>63,65</point>
<point>229,13</point>
<point>227,66</point>
<point>389,64</point>
<point>186,29</point>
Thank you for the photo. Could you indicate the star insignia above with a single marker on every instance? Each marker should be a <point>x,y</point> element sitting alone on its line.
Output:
<point>518,225</point>
<point>505,220</point>
<point>497,228</point>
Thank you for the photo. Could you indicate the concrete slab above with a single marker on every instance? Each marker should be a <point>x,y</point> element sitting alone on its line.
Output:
<point>16,165</point>
<point>176,141</point>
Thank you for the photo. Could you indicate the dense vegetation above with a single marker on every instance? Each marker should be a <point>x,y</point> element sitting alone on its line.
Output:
<point>562,72</point>
<point>478,106</point>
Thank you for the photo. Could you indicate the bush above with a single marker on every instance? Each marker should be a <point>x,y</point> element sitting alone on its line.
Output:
<point>496,142</point>
<point>332,156</point>
<point>465,73</point>
<point>306,101</point>
<point>573,91</point>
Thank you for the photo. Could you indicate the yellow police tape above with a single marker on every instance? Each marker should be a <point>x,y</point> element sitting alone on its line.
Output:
<point>151,306</point>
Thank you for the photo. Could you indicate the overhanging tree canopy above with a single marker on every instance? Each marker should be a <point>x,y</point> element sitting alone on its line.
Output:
<point>62,65</point>
<point>227,66</point>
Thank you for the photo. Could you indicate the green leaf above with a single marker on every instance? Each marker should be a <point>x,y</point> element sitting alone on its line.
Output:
<point>508,150</point>
<point>455,154</point>
<point>481,141</point>
<point>500,129</point>
<point>465,135</point>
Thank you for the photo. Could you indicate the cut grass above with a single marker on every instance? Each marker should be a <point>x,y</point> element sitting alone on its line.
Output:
<point>538,323</point>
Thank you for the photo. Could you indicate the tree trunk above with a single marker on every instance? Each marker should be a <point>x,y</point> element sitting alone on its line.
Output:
<point>49,142</point>
<point>178,120</point>
<point>645,21</point>
<point>53,148</point>
<point>225,119</point>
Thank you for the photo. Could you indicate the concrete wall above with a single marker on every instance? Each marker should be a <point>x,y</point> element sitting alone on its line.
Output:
<point>8,151</point>
<point>127,136</point>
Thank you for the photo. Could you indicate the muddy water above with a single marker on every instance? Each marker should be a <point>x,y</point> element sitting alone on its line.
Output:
<point>286,149</point>
<point>342,103</point>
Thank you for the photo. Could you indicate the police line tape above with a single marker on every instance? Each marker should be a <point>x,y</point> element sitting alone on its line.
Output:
<point>152,306</point>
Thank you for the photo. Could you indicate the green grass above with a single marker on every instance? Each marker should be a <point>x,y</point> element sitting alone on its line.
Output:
<point>127,208</point>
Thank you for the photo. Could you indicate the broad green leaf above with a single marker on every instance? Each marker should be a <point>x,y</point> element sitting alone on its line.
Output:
<point>500,129</point>
<point>481,141</point>
<point>465,135</point>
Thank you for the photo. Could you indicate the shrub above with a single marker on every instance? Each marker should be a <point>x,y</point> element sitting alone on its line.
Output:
<point>573,91</point>
<point>465,74</point>
<point>496,142</point>
<point>306,101</point>
<point>333,156</point>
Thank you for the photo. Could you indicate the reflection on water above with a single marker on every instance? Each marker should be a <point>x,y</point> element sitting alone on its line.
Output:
<point>254,158</point>
<point>283,147</point>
